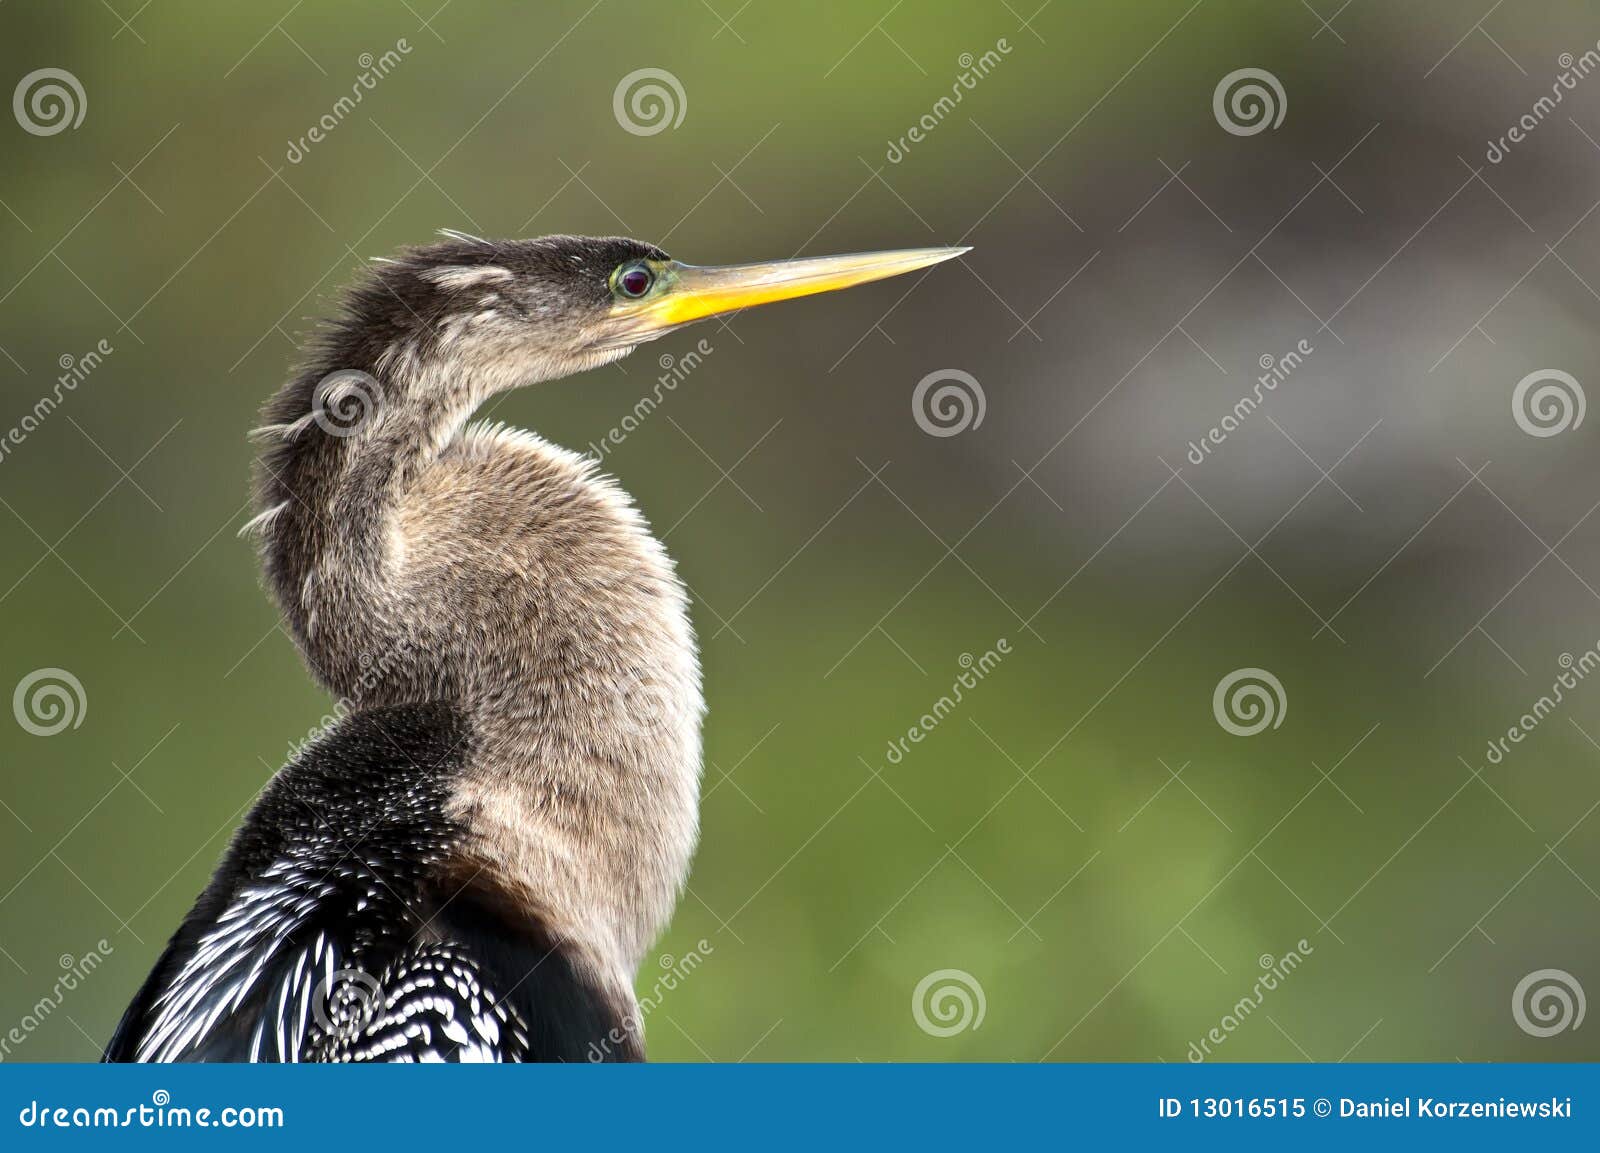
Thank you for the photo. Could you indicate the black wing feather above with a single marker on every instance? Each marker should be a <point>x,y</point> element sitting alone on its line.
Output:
<point>309,944</point>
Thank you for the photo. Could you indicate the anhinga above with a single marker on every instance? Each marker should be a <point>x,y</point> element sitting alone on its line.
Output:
<point>471,864</point>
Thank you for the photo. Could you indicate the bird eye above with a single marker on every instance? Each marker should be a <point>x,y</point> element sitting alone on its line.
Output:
<point>634,281</point>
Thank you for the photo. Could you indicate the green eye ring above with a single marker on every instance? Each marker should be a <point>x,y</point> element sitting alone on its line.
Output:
<point>633,281</point>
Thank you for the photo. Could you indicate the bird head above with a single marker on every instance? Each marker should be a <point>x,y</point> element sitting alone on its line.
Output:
<point>516,311</point>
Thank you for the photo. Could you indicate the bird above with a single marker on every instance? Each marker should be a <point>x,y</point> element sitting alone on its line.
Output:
<point>470,862</point>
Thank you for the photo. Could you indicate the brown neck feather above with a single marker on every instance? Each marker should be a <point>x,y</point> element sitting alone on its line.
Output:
<point>415,561</point>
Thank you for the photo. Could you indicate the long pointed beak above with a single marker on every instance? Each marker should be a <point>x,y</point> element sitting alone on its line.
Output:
<point>689,293</point>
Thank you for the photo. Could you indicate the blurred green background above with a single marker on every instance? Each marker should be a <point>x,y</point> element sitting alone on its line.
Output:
<point>1080,837</point>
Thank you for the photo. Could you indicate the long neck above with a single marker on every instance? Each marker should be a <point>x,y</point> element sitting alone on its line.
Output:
<point>415,562</point>
<point>346,448</point>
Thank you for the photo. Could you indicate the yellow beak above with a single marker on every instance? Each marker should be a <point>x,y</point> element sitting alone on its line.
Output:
<point>685,293</point>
